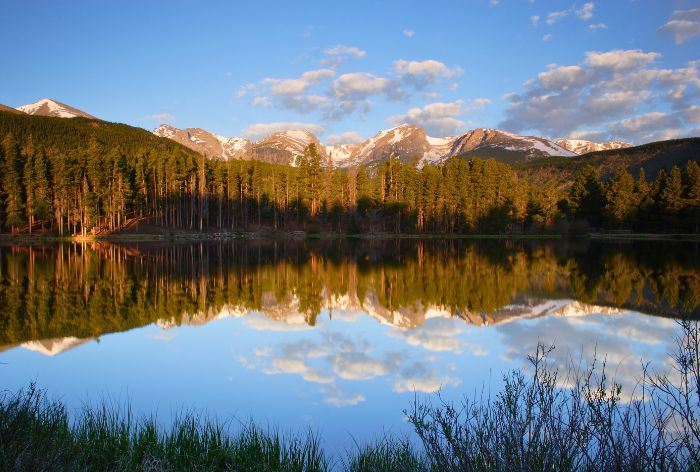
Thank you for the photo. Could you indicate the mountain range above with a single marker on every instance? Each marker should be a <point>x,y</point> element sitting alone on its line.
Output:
<point>409,143</point>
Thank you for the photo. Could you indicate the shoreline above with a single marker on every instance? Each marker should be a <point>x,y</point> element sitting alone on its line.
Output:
<point>304,236</point>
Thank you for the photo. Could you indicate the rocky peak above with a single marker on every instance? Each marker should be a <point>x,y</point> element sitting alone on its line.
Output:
<point>49,107</point>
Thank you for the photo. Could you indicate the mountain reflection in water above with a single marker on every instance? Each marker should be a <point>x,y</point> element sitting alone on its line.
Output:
<point>52,297</point>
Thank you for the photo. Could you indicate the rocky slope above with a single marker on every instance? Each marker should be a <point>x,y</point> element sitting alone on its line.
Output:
<point>206,143</point>
<point>8,109</point>
<point>49,107</point>
<point>284,147</point>
<point>581,146</point>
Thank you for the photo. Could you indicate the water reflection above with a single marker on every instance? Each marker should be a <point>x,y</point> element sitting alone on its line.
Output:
<point>330,333</point>
<point>60,294</point>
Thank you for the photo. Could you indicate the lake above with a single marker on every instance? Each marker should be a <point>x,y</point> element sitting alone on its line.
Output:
<point>335,335</point>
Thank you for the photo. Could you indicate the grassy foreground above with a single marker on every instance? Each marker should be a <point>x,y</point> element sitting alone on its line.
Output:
<point>532,424</point>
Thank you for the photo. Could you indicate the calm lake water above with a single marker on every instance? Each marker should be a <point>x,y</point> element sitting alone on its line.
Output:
<point>334,335</point>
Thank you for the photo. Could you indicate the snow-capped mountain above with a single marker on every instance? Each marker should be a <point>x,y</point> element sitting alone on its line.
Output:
<point>581,146</point>
<point>284,147</point>
<point>409,143</point>
<point>210,144</point>
<point>505,146</point>
<point>49,107</point>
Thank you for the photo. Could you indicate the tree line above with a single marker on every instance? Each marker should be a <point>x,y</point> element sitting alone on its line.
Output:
<point>89,184</point>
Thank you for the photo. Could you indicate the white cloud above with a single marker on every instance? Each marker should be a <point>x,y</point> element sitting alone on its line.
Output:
<point>347,137</point>
<point>417,378</point>
<point>555,16</point>
<point>409,33</point>
<point>160,118</point>
<point>244,89</point>
<point>440,118</point>
<point>421,73</point>
<point>338,54</point>
<point>605,88</point>
<point>535,19</point>
<point>693,114</point>
<point>619,59</point>
<point>359,366</point>
<point>548,37</point>
<point>341,50</point>
<point>561,78</point>
<point>299,367</point>
<point>588,135</point>
<point>260,130</point>
<point>597,26</point>
<point>290,94</point>
<point>622,339</point>
<point>585,13</point>
<point>360,85</point>
<point>652,126</point>
<point>647,121</point>
<point>300,85</point>
<point>684,25</point>
<point>336,397</point>
<point>440,334</point>
<point>262,101</point>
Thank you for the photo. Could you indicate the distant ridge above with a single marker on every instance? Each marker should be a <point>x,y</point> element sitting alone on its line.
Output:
<point>581,146</point>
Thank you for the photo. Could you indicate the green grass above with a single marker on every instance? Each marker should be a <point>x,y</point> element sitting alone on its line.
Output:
<point>37,434</point>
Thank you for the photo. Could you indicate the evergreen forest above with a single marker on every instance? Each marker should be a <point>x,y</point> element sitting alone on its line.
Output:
<point>88,177</point>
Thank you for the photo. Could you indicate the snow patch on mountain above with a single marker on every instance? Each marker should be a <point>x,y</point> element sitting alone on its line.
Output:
<point>439,141</point>
<point>49,107</point>
<point>582,146</point>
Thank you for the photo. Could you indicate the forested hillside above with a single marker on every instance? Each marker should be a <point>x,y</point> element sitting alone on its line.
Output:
<point>80,176</point>
<point>652,158</point>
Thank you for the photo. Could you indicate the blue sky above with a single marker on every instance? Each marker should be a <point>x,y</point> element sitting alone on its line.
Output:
<point>606,69</point>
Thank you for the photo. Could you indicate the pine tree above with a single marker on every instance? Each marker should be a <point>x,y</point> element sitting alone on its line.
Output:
<point>586,195</point>
<point>620,198</point>
<point>43,208</point>
<point>30,189</point>
<point>12,184</point>
<point>692,196</point>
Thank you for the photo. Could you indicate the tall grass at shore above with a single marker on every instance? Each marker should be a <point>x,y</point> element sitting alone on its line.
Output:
<point>36,434</point>
<point>546,420</point>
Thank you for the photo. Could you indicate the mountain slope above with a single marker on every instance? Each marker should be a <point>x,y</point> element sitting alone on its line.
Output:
<point>49,107</point>
<point>651,157</point>
<point>9,109</point>
<point>505,146</point>
<point>205,142</point>
<point>284,147</point>
<point>581,146</point>
<point>75,134</point>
